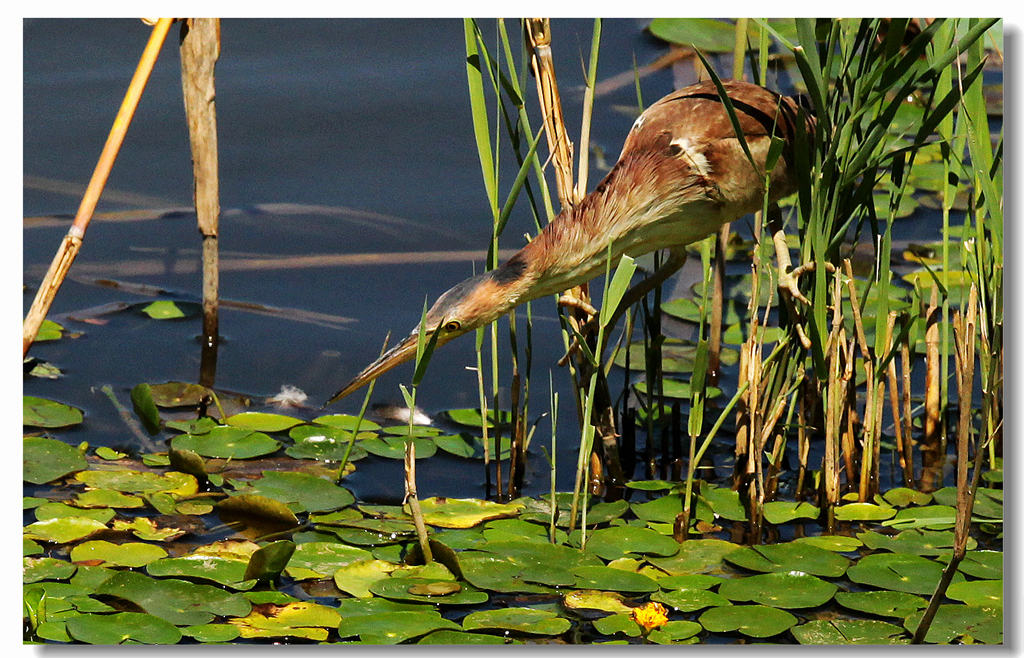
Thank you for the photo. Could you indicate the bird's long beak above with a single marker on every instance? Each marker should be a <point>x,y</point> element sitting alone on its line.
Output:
<point>397,355</point>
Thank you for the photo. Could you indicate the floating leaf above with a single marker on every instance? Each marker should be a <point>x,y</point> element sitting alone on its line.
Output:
<point>227,443</point>
<point>953,620</point>
<point>863,512</point>
<point>394,627</point>
<point>393,447</point>
<point>616,541</point>
<point>147,529</point>
<point>983,564</point>
<point>790,556</point>
<point>172,482</point>
<point>306,492</point>
<point>63,530</point>
<point>303,619</point>
<point>519,620</point>
<point>346,422</point>
<point>979,593</point>
<point>322,559</point>
<point>780,590</point>
<point>677,389</point>
<point>690,600</point>
<point>45,460</point>
<point>916,541</point>
<point>780,511</point>
<point>215,568</point>
<point>166,309</point>
<point>455,444</point>
<point>464,513</point>
<point>49,330</point>
<point>211,633</point>
<point>267,563</point>
<point>497,573</point>
<point>460,637</point>
<point>121,627</point>
<point>176,601</point>
<point>414,589</point>
<point>884,604</point>
<point>935,517</point>
<point>607,578</point>
<point>325,443</point>
<point>39,412</point>
<point>695,556</point>
<point>591,599</point>
<point>51,510</point>
<point>898,572</point>
<point>849,631</point>
<point>835,543</point>
<point>46,568</point>
<point>130,554</point>
<point>904,496</point>
<point>259,506</point>
<point>262,422</point>
<point>752,620</point>
<point>181,394</point>
<point>471,417</point>
<point>724,502</point>
<point>356,577</point>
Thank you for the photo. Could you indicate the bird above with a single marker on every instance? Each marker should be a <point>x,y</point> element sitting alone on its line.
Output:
<point>682,174</point>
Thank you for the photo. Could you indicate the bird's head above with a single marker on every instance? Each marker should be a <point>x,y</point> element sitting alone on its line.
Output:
<point>471,304</point>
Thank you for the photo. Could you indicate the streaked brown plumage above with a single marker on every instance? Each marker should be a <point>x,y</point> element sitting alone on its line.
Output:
<point>681,175</point>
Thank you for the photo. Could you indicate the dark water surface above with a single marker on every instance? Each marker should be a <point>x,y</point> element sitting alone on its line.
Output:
<point>338,139</point>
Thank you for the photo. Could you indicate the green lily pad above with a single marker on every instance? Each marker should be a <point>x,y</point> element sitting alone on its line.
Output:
<point>211,633</point>
<point>983,564</point>
<point>915,540</point>
<point>883,604</point>
<point>460,637</point>
<point>219,569</point>
<point>166,309</point>
<point>849,631</point>
<point>592,599</point>
<point>227,443</point>
<point>419,590</point>
<point>935,517</point>
<point>616,580</point>
<point>356,577</point>
<point>780,511</point>
<point>262,422</point>
<point>175,483</point>
<point>51,510</point>
<point>45,568</point>
<point>751,620</point>
<point>300,491</point>
<point>617,623</point>
<point>472,418</point>
<point>863,512</point>
<point>724,502</point>
<point>518,620</point>
<point>303,619</point>
<point>49,330</point>
<point>834,543</point>
<point>791,556</point>
<point>29,547</point>
<point>107,498</point>
<point>325,443</point>
<point>176,601</point>
<point>677,389</point>
<point>394,627</point>
<point>464,513</point>
<point>904,496</point>
<point>503,573</point>
<point>514,530</point>
<point>346,422</point>
<point>663,509</point>
<point>267,563</point>
<point>677,356</point>
<point>393,447</point>
<point>130,554</point>
<point>614,542</point>
<point>322,559</point>
<point>63,530</point>
<point>39,412</point>
<point>953,621</point>
<point>109,454</point>
<point>122,627</point>
<point>259,506</point>
<point>689,581</point>
<point>695,556</point>
<point>45,460</point>
<point>780,590</point>
<point>978,593</point>
<point>898,572</point>
<point>181,394</point>
<point>690,600</point>
<point>651,485</point>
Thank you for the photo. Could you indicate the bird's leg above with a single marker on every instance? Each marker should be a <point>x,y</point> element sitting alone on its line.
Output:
<point>676,259</point>
<point>789,277</point>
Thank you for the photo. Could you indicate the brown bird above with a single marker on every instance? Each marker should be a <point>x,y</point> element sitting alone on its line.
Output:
<point>681,175</point>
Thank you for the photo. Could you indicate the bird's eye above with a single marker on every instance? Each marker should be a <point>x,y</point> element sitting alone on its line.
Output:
<point>452,325</point>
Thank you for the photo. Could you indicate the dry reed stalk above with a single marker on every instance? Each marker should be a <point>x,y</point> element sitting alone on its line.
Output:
<point>200,49</point>
<point>742,447</point>
<point>964,335</point>
<point>908,425</point>
<point>413,499</point>
<point>72,242</point>
<point>833,411</point>
<point>868,465</point>
<point>894,401</point>
<point>802,440</point>
<point>931,449</point>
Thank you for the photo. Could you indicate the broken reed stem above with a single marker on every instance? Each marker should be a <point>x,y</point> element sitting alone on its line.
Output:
<point>964,335</point>
<point>833,408</point>
<point>72,242</point>
<point>894,398</point>
<point>931,450</point>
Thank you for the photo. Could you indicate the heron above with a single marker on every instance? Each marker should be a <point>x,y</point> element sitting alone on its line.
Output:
<point>682,174</point>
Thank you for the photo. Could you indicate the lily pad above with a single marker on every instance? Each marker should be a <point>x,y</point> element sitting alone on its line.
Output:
<point>51,510</point>
<point>953,621</point>
<point>418,590</point>
<point>394,627</point>
<point>618,623</point>
<point>592,599</point>
<point>883,604</point>
<point>751,620</point>
<point>325,443</point>
<point>107,498</point>
<point>690,600</point>
<point>455,444</point>
<point>915,540</point>
<point>979,593</point>
<point>780,590</point>
<point>40,412</point>
<point>45,460</point>
<point>267,563</point>
<point>674,631</point>
<point>211,633</point>
<point>166,309</point>
<point>834,543</point>
<point>791,556</point>
<point>303,619</point>
<point>724,502</point>
<point>663,509</point>
<point>849,631</point>
<point>393,447</point>
<point>146,528</point>
<point>898,572</point>
<point>472,418</point>
<point>689,581</point>
<point>122,627</point>
<point>503,573</point>
<point>695,556</point>
<point>518,620</point>
<point>259,506</point>
<point>262,422</point>
<point>677,389</point>
<point>215,568</point>
<point>49,330</point>
<point>616,580</point>
<point>322,559</point>
<point>356,577</point>
<point>45,568</point>
<point>615,541</point>
<point>983,564</point>
<point>300,491</point>
<point>130,554</point>
<point>905,496</point>
<point>460,637</point>
<point>781,511</point>
<point>464,513</point>
<point>172,482</point>
<point>935,517</point>
<point>346,422</point>
<point>227,443</point>
<point>176,601</point>
<point>63,530</point>
<point>864,512</point>
<point>181,394</point>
